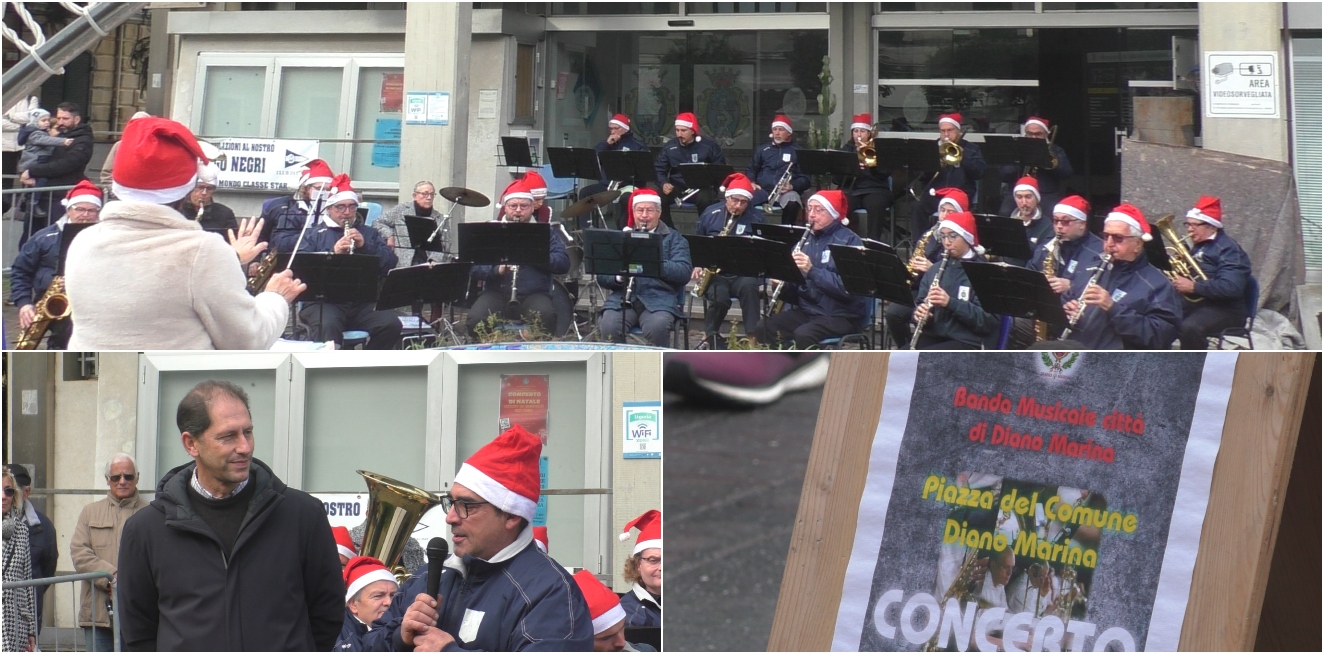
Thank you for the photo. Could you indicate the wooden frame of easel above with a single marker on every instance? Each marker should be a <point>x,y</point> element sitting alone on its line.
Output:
<point>1264,414</point>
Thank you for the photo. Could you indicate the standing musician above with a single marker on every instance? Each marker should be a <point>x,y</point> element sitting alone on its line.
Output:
<point>284,218</point>
<point>731,217</point>
<point>687,147</point>
<point>823,308</point>
<point>533,284</point>
<point>769,167</point>
<point>1132,306</point>
<point>962,176</point>
<point>947,309</point>
<point>654,304</point>
<point>1217,302</point>
<point>1052,181</point>
<point>871,190</point>
<point>337,232</point>
<point>203,207</point>
<point>1074,251</point>
<point>39,259</point>
<point>619,139</point>
<point>928,250</point>
<point>1038,228</point>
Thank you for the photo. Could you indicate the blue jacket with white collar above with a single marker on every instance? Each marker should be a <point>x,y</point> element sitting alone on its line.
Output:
<point>963,319</point>
<point>321,238</point>
<point>713,220</point>
<point>1146,311</point>
<point>673,154</point>
<point>823,293</point>
<point>1228,268</point>
<point>641,610</point>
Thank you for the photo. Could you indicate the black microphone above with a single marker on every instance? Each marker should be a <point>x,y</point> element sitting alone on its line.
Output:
<point>438,549</point>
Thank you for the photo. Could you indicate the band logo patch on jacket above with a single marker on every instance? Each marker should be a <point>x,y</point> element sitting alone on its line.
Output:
<point>827,256</point>
<point>963,293</point>
<point>1118,295</point>
<point>469,626</point>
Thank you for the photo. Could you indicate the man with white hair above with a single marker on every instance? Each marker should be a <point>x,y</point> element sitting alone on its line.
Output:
<point>95,546</point>
<point>653,303</point>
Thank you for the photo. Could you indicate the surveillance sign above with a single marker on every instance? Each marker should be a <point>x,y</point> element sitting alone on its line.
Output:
<point>1240,84</point>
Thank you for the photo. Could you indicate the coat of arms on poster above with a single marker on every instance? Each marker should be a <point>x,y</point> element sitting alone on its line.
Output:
<point>722,100</point>
<point>650,101</point>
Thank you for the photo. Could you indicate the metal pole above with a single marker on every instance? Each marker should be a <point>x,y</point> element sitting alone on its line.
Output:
<point>25,76</point>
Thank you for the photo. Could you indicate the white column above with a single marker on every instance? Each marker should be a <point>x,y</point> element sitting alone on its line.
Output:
<point>1245,26</point>
<point>437,43</point>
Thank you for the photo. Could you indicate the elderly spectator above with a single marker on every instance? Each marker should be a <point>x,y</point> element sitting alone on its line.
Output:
<point>41,534</point>
<point>96,544</point>
<point>20,604</point>
<point>391,225</point>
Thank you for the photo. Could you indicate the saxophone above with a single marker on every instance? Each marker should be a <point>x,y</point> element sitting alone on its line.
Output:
<point>258,280</point>
<point>962,588</point>
<point>937,281</point>
<point>1050,270</point>
<point>53,305</point>
<point>920,247</point>
<point>707,277</point>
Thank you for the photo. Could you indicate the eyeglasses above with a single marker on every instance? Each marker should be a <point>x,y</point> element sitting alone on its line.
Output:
<point>947,236</point>
<point>82,210</point>
<point>463,508</point>
<point>425,195</point>
<point>1192,224</point>
<point>9,492</point>
<point>345,207</point>
<point>126,477</point>
<point>1065,222</point>
<point>652,560</point>
<point>1117,238</point>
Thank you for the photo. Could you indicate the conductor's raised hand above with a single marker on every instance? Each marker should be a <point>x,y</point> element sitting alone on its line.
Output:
<point>284,284</point>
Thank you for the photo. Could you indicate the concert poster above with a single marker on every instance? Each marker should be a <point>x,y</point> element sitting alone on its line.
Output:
<point>1032,501</point>
<point>524,403</point>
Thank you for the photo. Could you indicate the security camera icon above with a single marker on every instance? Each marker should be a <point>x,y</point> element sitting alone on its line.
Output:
<point>1222,72</point>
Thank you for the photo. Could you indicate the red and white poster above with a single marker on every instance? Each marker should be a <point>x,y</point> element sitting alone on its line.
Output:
<point>393,93</point>
<point>524,403</point>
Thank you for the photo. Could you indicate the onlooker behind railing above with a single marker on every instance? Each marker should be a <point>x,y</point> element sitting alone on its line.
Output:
<point>41,532</point>
<point>20,604</point>
<point>66,165</point>
<point>96,543</point>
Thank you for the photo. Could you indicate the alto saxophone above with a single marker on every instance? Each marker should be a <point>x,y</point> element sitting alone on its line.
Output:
<point>258,280</point>
<point>928,306</point>
<point>53,305</point>
<point>920,247</point>
<point>962,588</point>
<point>708,273</point>
<point>1050,270</point>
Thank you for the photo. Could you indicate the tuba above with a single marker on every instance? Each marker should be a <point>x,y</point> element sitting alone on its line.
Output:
<point>394,509</point>
<point>866,153</point>
<point>1183,264</point>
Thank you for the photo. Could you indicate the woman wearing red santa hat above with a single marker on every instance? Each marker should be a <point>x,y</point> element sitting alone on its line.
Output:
<point>643,604</point>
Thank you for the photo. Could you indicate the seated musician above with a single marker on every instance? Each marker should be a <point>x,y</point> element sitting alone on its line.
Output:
<point>619,139</point>
<point>928,249</point>
<point>949,311</point>
<point>872,189</point>
<point>335,232</point>
<point>769,166</point>
<point>35,267</point>
<point>654,304</point>
<point>687,147</point>
<point>533,284</point>
<point>538,187</point>
<point>1052,181</point>
<point>608,616</point>
<point>1132,306</point>
<point>962,176</point>
<point>284,219</point>
<point>1073,249</point>
<point>823,308</point>
<point>1038,227</point>
<point>733,216</point>
<point>1217,302</point>
<point>203,207</point>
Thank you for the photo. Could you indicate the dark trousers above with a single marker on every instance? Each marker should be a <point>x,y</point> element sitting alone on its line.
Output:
<point>1200,322</point>
<point>656,325</point>
<point>805,330</point>
<point>701,199</point>
<point>328,322</point>
<point>493,302</point>
<point>927,342</point>
<point>720,291</point>
<point>897,319</point>
<point>875,202</point>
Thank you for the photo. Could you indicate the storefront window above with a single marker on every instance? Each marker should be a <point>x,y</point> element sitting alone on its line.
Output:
<point>754,7</point>
<point>956,6</point>
<point>305,95</point>
<point>232,102</point>
<point>1118,6</point>
<point>614,8</point>
<point>960,53</point>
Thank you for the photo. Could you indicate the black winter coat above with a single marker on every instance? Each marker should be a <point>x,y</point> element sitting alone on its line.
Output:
<point>66,165</point>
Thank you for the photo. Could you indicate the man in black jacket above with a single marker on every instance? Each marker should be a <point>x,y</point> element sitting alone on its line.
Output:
<point>66,165</point>
<point>227,557</point>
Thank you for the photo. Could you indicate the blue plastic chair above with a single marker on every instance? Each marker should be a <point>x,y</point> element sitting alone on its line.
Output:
<point>1252,305</point>
<point>558,188</point>
<point>680,327</point>
<point>374,210</point>
<point>863,338</point>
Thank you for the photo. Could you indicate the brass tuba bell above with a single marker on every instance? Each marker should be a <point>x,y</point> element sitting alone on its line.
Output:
<point>950,153</point>
<point>394,509</point>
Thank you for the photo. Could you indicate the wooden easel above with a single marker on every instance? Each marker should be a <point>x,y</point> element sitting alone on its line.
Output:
<point>1264,415</point>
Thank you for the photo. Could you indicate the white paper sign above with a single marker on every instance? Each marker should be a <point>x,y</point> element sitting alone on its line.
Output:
<point>256,163</point>
<point>1240,84</point>
<point>643,430</point>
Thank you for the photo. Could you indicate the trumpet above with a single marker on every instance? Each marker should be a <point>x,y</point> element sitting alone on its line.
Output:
<point>708,273</point>
<point>928,306</point>
<point>1183,262</point>
<point>775,299</point>
<point>1105,264</point>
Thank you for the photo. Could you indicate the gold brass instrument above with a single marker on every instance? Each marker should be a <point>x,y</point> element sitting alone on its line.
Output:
<point>53,305</point>
<point>962,588</point>
<point>394,509</point>
<point>1105,264</point>
<point>920,247</point>
<point>708,273</point>
<point>950,153</point>
<point>1183,263</point>
<point>1069,596</point>
<point>775,299</point>
<point>1050,270</point>
<point>1032,171</point>
<point>866,153</point>
<point>258,280</point>
<point>928,306</point>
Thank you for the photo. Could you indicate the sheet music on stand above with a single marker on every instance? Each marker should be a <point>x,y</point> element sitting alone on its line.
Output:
<point>576,163</point>
<point>1002,236</point>
<point>784,233</point>
<point>629,167</point>
<point>1014,291</point>
<point>516,151</point>
<point>503,243</point>
<point>429,282</point>
<point>628,254</point>
<point>337,278</point>
<point>1008,150</point>
<point>745,256</point>
<point>874,273</point>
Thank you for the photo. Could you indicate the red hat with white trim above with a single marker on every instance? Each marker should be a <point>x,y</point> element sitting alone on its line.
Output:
<point>505,472</point>
<point>156,162</point>
<point>620,120</point>
<point>835,203</point>
<point>1074,206</point>
<point>650,531</point>
<point>518,190</point>
<point>687,119</point>
<point>344,543</point>
<point>783,122</point>
<point>603,605</point>
<point>1027,183</point>
<point>738,184</point>
<point>642,195</point>
<point>1208,209</point>
<point>953,118</point>
<point>1035,120</point>
<point>540,538</point>
<point>963,223</point>
<point>364,570</point>
<point>1131,215</point>
<point>861,121</point>
<point>315,172</point>
<point>84,193</point>
<point>536,184</point>
<point>953,196</point>
<point>341,190</point>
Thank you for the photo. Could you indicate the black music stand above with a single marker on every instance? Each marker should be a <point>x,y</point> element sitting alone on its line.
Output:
<point>516,151</point>
<point>499,243</point>
<point>785,233</point>
<point>67,237</point>
<point>629,167</point>
<point>1002,236</point>
<point>878,245</point>
<point>1014,291</point>
<point>576,163</point>
<point>915,154</point>
<point>704,175</point>
<point>444,283</point>
<point>745,256</point>
<point>627,254</point>
<point>427,235</point>
<point>876,273</point>
<point>828,162</point>
<point>1007,150</point>
<point>1156,252</point>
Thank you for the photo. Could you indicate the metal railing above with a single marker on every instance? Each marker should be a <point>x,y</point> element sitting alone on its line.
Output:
<point>74,594</point>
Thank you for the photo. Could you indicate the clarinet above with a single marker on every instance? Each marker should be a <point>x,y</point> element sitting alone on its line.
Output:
<point>514,274</point>
<point>928,306</point>
<point>1105,264</point>
<point>774,301</point>
<point>348,224</point>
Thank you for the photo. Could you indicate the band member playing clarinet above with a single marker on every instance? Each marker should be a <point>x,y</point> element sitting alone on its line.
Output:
<point>530,299</point>
<point>203,207</point>
<point>928,250</point>
<point>1218,301</point>
<point>648,302</point>
<point>1131,306</point>
<point>773,184</point>
<point>823,308</point>
<point>960,174</point>
<point>871,190</point>
<point>731,217</point>
<point>946,309</point>
<point>688,147</point>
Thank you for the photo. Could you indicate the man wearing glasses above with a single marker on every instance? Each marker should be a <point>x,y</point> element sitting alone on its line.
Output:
<point>95,546</point>
<point>203,207</point>
<point>1217,302</point>
<point>391,226</point>
<point>39,259</point>
<point>1076,249</point>
<point>1133,306</point>
<point>946,308</point>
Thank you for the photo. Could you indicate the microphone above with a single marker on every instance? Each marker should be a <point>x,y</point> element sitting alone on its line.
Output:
<point>438,549</point>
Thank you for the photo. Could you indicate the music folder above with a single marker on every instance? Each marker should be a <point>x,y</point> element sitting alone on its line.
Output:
<point>1014,291</point>
<point>424,233</point>
<point>429,282</point>
<point>1002,236</point>
<point>516,151</point>
<point>873,272</point>
<point>1008,150</point>
<point>629,254</point>
<point>337,278</point>
<point>745,256</point>
<point>498,243</point>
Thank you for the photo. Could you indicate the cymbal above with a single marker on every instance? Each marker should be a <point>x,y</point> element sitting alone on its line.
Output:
<point>590,203</point>
<point>464,197</point>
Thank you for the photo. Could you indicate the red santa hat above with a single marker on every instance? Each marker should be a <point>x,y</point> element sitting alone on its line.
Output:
<point>649,525</point>
<point>536,184</point>
<point>862,121</point>
<point>341,190</point>
<point>364,570</point>
<point>344,544</point>
<point>540,538</point>
<point>835,203</point>
<point>315,172</point>
<point>953,118</point>
<point>1132,216</point>
<point>640,196</point>
<point>687,119</point>
<point>1208,209</point>
<point>1027,183</point>
<point>1035,120</point>
<point>1074,206</point>
<point>603,605</point>
<point>84,193</point>
<point>505,472</point>
<point>518,190</point>
<point>953,196</point>
<point>620,120</point>
<point>783,122</point>
<point>738,184</point>
<point>156,162</point>
<point>963,223</point>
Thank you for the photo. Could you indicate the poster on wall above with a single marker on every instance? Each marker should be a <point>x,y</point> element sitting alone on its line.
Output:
<point>262,164</point>
<point>385,153</point>
<point>724,102</point>
<point>1039,501</point>
<point>393,93</point>
<point>643,430</point>
<point>652,100</point>
<point>524,403</point>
